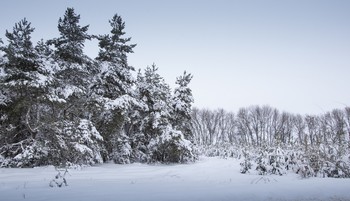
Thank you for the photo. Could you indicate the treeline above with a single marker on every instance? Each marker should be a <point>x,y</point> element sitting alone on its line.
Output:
<point>60,107</point>
<point>272,142</point>
<point>264,125</point>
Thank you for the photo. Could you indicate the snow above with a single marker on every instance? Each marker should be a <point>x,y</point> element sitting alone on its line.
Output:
<point>68,90</point>
<point>87,129</point>
<point>82,148</point>
<point>121,102</point>
<point>2,72</point>
<point>207,179</point>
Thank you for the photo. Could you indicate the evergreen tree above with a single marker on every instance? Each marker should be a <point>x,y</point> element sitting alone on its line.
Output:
<point>43,50</point>
<point>19,51</point>
<point>150,118</point>
<point>182,103</point>
<point>113,87</point>
<point>156,95</point>
<point>24,82</point>
<point>21,79</point>
<point>69,46</point>
<point>21,67</point>
<point>70,97</point>
<point>3,95</point>
<point>1,57</point>
<point>75,71</point>
<point>114,47</point>
<point>59,107</point>
<point>162,142</point>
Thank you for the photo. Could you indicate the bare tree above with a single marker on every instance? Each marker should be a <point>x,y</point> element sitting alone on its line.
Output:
<point>244,127</point>
<point>300,126</point>
<point>260,126</point>
<point>347,120</point>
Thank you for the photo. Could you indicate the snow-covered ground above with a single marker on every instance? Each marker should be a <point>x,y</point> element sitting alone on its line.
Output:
<point>211,179</point>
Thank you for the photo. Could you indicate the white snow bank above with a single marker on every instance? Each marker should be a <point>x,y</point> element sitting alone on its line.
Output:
<point>207,179</point>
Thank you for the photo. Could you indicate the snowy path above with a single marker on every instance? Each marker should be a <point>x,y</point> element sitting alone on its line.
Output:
<point>210,179</point>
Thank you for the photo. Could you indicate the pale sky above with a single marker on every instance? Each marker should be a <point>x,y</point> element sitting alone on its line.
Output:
<point>293,55</point>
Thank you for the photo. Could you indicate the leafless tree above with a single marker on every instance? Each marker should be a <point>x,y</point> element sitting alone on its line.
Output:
<point>260,126</point>
<point>300,126</point>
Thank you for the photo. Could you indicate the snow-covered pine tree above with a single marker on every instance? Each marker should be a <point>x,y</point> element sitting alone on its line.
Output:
<point>114,47</point>
<point>44,52</point>
<point>163,143</point>
<point>23,84</point>
<point>134,128</point>
<point>21,69</point>
<point>3,102</point>
<point>75,69</point>
<point>182,105</point>
<point>113,87</point>
<point>155,93</point>
<point>3,97</point>
<point>69,46</point>
<point>71,142</point>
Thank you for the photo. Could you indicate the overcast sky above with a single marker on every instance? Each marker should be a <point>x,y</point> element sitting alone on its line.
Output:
<point>292,55</point>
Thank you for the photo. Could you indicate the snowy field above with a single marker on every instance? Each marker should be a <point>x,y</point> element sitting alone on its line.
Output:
<point>209,179</point>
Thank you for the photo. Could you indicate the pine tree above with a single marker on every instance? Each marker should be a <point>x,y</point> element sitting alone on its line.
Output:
<point>69,46</point>
<point>24,81</point>
<point>153,122</point>
<point>182,103</point>
<point>113,87</point>
<point>70,96</point>
<point>114,47</point>
<point>3,96</point>
<point>115,78</point>
<point>21,65</point>
<point>20,78</point>
<point>1,55</point>
<point>150,117</point>
<point>59,107</point>
<point>156,94</point>
<point>43,50</point>
<point>75,71</point>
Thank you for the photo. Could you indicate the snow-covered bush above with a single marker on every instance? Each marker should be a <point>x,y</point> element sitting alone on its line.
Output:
<point>264,161</point>
<point>26,153</point>
<point>65,143</point>
<point>339,168</point>
<point>277,161</point>
<point>171,147</point>
<point>335,163</point>
<point>224,150</point>
<point>305,171</point>
<point>321,161</point>
<point>246,164</point>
